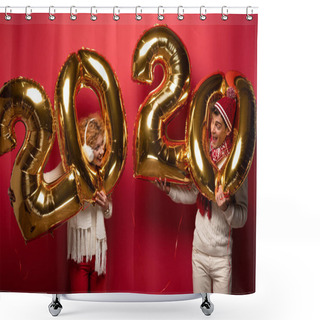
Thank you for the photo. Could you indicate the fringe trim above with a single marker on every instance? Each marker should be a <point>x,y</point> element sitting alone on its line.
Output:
<point>79,239</point>
<point>101,256</point>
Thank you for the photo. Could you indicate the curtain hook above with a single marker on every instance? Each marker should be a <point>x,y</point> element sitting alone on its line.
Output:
<point>7,16</point>
<point>160,16</point>
<point>224,13</point>
<point>180,15</point>
<point>203,13</point>
<point>73,16</point>
<point>249,17</point>
<point>138,16</point>
<point>28,15</point>
<point>93,17</point>
<point>116,16</point>
<point>52,10</point>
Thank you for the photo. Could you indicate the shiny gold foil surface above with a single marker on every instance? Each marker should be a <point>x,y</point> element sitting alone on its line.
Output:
<point>206,175</point>
<point>87,68</point>
<point>38,206</point>
<point>157,156</point>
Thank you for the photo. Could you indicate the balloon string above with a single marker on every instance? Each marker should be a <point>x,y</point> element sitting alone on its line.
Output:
<point>177,238</point>
<point>175,251</point>
<point>133,219</point>
<point>166,286</point>
<point>84,208</point>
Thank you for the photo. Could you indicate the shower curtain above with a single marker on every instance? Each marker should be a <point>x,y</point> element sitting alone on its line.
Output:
<point>151,80</point>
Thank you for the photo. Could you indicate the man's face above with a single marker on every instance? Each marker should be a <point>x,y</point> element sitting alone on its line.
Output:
<point>219,130</point>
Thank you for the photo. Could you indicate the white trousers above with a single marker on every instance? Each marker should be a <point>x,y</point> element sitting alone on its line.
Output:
<point>211,274</point>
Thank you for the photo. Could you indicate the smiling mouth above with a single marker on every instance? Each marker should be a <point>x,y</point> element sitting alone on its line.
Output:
<point>98,160</point>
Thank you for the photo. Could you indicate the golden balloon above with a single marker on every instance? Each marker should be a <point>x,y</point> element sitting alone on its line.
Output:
<point>88,69</point>
<point>98,75</point>
<point>203,170</point>
<point>38,206</point>
<point>156,155</point>
<point>240,159</point>
<point>206,175</point>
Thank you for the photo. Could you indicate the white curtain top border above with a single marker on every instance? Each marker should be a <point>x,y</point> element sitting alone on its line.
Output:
<point>129,10</point>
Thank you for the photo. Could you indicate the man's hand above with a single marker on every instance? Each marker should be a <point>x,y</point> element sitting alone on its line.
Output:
<point>222,199</point>
<point>163,185</point>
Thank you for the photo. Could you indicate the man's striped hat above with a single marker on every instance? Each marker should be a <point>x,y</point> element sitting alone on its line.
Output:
<point>227,107</point>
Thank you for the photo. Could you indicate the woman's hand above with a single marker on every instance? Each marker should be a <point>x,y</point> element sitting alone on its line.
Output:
<point>103,201</point>
<point>163,185</point>
<point>222,199</point>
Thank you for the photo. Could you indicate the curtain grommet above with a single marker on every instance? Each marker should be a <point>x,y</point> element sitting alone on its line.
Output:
<point>248,15</point>
<point>116,16</point>
<point>6,15</point>
<point>93,17</point>
<point>28,13</point>
<point>203,13</point>
<point>51,13</point>
<point>224,13</point>
<point>73,15</point>
<point>138,16</point>
<point>160,16</point>
<point>180,13</point>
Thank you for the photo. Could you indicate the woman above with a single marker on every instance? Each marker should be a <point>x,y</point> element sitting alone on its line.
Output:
<point>87,240</point>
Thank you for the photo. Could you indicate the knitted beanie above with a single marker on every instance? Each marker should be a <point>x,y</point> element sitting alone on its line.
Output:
<point>227,107</point>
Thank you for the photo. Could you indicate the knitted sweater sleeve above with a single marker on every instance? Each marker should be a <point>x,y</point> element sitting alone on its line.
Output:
<point>237,212</point>
<point>183,194</point>
<point>57,172</point>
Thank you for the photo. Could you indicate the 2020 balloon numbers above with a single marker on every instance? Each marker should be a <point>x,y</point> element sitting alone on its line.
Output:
<point>40,207</point>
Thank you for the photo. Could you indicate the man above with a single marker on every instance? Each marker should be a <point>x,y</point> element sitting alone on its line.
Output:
<point>212,241</point>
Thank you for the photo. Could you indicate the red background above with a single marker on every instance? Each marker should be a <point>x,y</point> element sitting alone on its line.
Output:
<point>149,236</point>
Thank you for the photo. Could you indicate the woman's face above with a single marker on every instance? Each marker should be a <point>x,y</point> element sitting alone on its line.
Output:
<point>98,151</point>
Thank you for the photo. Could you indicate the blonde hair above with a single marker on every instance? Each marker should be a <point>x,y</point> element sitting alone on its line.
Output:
<point>94,130</point>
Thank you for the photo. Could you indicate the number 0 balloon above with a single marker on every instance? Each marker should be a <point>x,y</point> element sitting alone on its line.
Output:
<point>204,172</point>
<point>88,68</point>
<point>240,159</point>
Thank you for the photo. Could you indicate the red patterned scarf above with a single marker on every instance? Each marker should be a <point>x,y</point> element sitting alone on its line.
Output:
<point>216,154</point>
